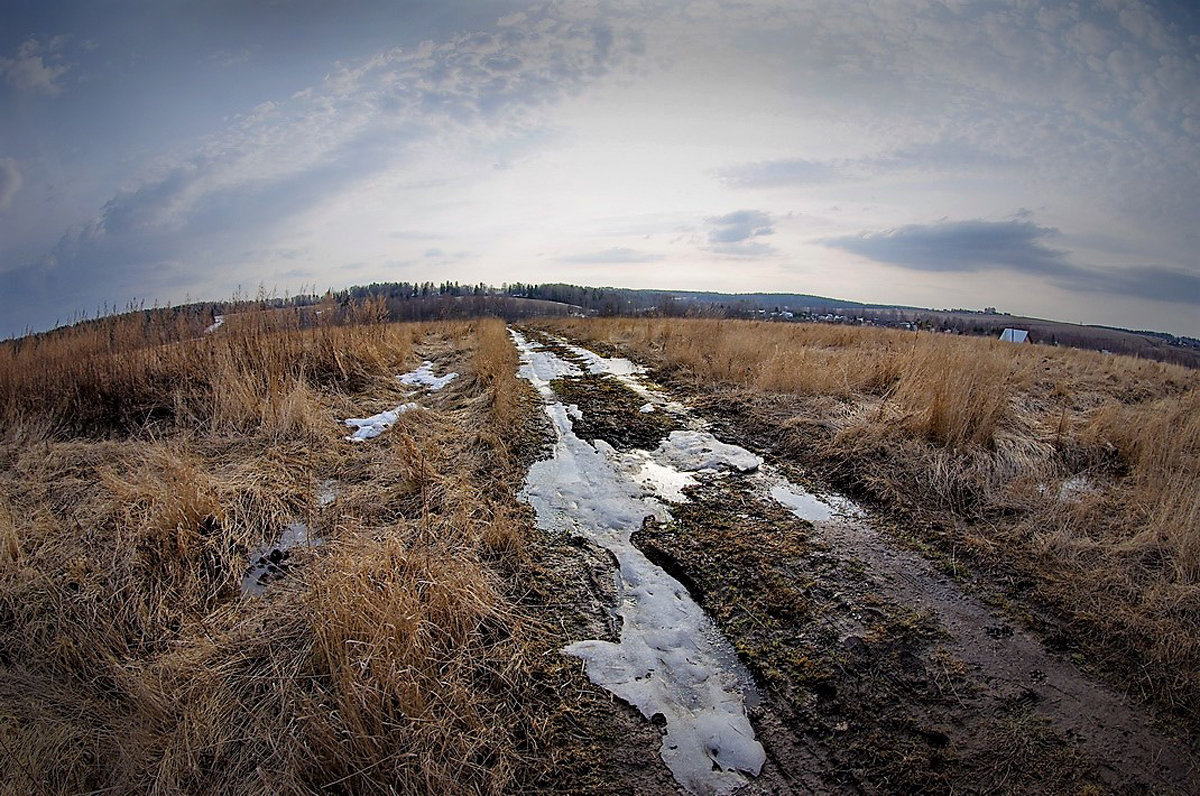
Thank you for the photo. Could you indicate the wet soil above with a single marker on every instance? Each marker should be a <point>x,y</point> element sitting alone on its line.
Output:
<point>597,743</point>
<point>612,412</point>
<point>864,692</point>
<point>878,672</point>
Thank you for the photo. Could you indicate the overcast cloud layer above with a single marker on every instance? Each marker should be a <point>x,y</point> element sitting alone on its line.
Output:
<point>1039,158</point>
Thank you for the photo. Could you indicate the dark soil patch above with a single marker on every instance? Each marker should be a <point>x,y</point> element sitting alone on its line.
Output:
<point>859,693</point>
<point>594,742</point>
<point>611,412</point>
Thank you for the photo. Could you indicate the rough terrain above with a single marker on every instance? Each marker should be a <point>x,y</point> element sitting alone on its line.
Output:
<point>875,669</point>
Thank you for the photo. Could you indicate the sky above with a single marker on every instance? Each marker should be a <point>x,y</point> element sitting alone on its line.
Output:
<point>1042,158</point>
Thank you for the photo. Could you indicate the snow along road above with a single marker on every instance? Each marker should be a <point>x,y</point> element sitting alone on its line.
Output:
<point>670,660</point>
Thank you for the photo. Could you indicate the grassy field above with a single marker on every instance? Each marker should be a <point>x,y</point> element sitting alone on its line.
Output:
<point>414,649</point>
<point>137,475</point>
<point>1073,476</point>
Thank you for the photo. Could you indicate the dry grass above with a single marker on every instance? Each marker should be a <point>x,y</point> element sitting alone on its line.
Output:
<point>979,438</point>
<point>135,479</point>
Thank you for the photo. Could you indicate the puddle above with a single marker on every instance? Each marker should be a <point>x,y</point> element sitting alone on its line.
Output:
<point>808,506</point>
<point>271,563</point>
<point>670,663</point>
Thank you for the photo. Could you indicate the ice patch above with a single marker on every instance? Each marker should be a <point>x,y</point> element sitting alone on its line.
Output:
<point>646,408</point>
<point>612,366</point>
<point>808,506</point>
<point>1075,488</point>
<point>670,659</point>
<point>271,563</point>
<point>699,450</point>
<point>574,412</point>
<point>375,425</point>
<point>659,480</point>
<point>540,367</point>
<point>423,376</point>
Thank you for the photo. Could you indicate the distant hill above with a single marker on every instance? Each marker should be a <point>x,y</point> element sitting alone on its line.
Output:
<point>417,301</point>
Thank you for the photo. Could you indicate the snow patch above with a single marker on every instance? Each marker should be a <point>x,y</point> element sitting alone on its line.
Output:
<point>540,367</point>
<point>646,408</point>
<point>656,479</point>
<point>375,425</point>
<point>270,563</point>
<point>670,659</point>
<point>327,492</point>
<point>423,376</point>
<point>700,450</point>
<point>1076,488</point>
<point>218,322</point>
<point>612,366</point>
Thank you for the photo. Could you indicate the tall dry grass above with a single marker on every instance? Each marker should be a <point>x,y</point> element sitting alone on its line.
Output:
<point>258,371</point>
<point>1076,471</point>
<point>135,482</point>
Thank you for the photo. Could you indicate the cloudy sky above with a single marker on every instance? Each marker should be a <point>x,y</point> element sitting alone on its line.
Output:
<point>1043,158</point>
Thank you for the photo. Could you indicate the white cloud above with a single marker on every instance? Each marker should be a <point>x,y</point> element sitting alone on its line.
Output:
<point>28,71</point>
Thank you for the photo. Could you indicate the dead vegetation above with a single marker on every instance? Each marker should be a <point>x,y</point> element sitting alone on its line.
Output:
<point>136,477</point>
<point>1073,476</point>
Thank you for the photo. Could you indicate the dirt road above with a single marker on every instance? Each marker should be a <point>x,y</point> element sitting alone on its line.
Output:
<point>736,594</point>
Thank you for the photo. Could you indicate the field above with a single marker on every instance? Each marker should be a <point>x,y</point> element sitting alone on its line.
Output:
<point>1049,500</point>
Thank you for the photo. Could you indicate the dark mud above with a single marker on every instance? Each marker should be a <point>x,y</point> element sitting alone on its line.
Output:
<point>597,744</point>
<point>878,672</point>
<point>865,690</point>
<point>612,412</point>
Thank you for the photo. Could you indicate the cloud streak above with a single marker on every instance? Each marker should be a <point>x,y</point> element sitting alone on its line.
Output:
<point>285,157</point>
<point>736,234</point>
<point>978,245</point>
<point>774,173</point>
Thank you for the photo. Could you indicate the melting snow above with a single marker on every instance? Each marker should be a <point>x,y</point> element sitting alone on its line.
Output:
<point>808,506</point>
<point>423,376</point>
<point>270,563</point>
<point>1075,488</point>
<point>375,425</point>
<point>327,492</point>
<point>613,366</point>
<point>699,450</point>
<point>540,367</point>
<point>670,659</point>
<point>646,408</point>
<point>218,321</point>
<point>660,480</point>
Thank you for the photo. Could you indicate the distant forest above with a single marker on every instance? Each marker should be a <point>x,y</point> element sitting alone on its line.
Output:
<point>420,301</point>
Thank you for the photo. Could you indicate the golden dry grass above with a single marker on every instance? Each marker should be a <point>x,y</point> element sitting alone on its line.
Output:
<point>134,482</point>
<point>1077,471</point>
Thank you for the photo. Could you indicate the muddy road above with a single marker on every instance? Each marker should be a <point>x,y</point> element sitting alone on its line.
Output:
<point>759,636</point>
